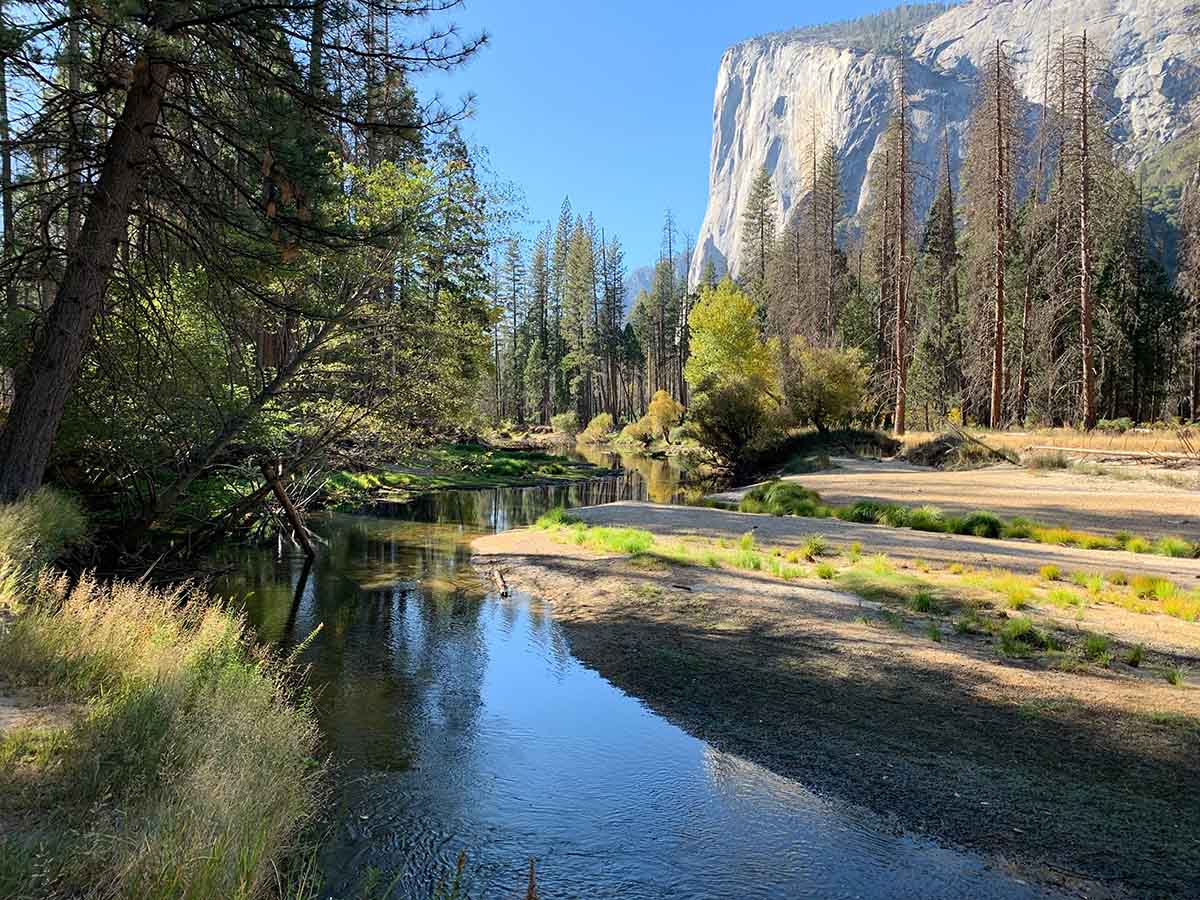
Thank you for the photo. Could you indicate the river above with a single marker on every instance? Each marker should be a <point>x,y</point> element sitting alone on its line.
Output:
<point>460,722</point>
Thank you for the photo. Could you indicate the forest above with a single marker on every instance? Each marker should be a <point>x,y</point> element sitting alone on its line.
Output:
<point>1041,289</point>
<point>257,242</point>
<point>232,234</point>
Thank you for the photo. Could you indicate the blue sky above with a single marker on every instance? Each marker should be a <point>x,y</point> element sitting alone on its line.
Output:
<point>610,103</point>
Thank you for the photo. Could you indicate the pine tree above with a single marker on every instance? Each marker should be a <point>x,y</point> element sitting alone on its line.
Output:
<point>512,275</point>
<point>758,237</point>
<point>539,391</point>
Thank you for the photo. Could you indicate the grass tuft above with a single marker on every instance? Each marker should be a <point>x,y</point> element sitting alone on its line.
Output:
<point>1175,674</point>
<point>1175,547</point>
<point>1135,655</point>
<point>1020,637</point>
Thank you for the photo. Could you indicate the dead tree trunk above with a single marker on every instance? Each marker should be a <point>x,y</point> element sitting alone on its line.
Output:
<point>1085,253</point>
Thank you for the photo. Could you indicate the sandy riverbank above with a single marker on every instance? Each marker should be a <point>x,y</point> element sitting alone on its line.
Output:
<point>1100,503</point>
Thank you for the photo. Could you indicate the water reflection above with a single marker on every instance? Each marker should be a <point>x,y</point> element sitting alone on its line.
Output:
<point>462,722</point>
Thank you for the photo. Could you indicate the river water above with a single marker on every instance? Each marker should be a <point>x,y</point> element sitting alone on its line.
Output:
<point>460,722</point>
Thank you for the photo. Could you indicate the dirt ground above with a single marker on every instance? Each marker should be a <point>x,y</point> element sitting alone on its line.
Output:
<point>1098,503</point>
<point>1083,779</point>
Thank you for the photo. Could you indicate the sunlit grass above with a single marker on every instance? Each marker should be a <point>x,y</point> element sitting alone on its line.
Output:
<point>189,741</point>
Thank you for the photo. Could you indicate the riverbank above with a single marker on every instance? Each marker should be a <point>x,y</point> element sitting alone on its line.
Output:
<point>457,467</point>
<point>1102,504</point>
<point>147,748</point>
<point>1013,715</point>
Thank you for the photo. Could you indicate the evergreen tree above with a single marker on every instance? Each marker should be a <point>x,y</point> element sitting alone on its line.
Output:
<point>758,238</point>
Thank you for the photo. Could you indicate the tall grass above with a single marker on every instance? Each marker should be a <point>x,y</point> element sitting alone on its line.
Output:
<point>32,535</point>
<point>190,764</point>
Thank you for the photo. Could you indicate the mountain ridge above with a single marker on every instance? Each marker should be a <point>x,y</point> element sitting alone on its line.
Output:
<point>771,88</point>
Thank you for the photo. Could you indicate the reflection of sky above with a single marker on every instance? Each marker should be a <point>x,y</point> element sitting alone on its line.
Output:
<point>464,723</point>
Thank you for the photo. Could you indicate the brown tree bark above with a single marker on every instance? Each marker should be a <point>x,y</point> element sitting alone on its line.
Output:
<point>45,382</point>
<point>6,182</point>
<point>901,255</point>
<point>1001,189</point>
<point>1085,252</point>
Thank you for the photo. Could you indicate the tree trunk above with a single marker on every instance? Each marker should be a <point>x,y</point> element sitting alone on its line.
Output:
<point>901,279</point>
<point>10,281</point>
<point>1085,254</point>
<point>45,383</point>
<point>997,407</point>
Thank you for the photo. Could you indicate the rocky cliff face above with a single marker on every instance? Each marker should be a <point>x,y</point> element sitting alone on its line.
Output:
<point>771,90</point>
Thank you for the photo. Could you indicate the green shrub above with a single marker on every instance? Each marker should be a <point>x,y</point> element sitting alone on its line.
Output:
<point>1135,655</point>
<point>639,432</point>
<point>556,518</point>
<point>825,571</point>
<point>732,419</point>
<point>981,524</point>
<point>813,547</point>
<point>34,532</point>
<point>784,498</point>
<point>565,423</point>
<point>1138,545</point>
<point>1095,648</point>
<point>598,430</point>
<point>1175,674</point>
<point>1063,598</point>
<point>868,512</point>
<point>1050,572</point>
<point>826,385</point>
<point>926,518</point>
<point>1020,636</point>
<point>1019,528</point>
<point>934,632</point>
<point>1176,547</point>
<point>894,516</point>
<point>1115,426</point>
<point>921,601</point>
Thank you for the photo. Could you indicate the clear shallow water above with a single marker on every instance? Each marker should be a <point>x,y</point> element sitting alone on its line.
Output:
<point>462,722</point>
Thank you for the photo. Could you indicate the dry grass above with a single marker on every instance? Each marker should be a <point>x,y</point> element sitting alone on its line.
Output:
<point>1137,440</point>
<point>190,768</point>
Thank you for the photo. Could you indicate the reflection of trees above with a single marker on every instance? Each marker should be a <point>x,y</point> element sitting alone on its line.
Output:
<point>400,646</point>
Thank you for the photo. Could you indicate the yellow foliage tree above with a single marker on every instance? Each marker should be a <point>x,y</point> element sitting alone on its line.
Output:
<point>725,341</point>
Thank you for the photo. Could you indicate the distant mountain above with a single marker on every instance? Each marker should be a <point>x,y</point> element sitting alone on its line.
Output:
<point>769,89</point>
<point>642,279</point>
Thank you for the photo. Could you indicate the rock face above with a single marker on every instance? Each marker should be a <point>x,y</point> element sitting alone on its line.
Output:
<point>770,91</point>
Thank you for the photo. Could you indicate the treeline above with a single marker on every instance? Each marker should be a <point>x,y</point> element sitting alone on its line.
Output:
<point>564,340</point>
<point>1034,293</point>
<point>232,235</point>
<point>884,31</point>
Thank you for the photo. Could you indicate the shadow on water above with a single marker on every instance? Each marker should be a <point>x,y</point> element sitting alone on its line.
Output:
<point>459,721</point>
